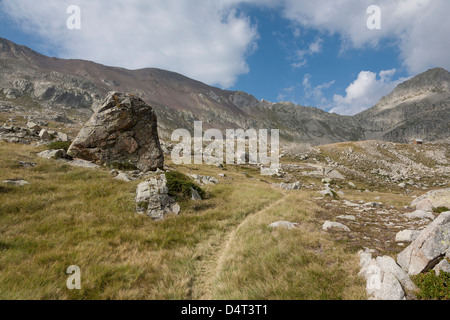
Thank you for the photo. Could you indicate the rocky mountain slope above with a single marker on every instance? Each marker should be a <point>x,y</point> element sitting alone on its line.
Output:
<point>39,87</point>
<point>417,108</point>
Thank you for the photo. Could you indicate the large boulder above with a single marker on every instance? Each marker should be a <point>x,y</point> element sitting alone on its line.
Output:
<point>435,198</point>
<point>429,248</point>
<point>122,130</point>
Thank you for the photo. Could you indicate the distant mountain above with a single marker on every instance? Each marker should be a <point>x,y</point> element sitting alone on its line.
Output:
<point>37,86</point>
<point>417,108</point>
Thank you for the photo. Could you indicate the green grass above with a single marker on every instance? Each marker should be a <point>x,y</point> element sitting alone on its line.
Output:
<point>59,145</point>
<point>180,186</point>
<point>432,286</point>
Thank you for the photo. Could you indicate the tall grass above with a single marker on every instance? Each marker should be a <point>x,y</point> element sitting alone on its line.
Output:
<point>73,216</point>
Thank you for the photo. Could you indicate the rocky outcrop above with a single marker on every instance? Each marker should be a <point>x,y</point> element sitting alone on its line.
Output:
<point>153,200</point>
<point>33,133</point>
<point>430,247</point>
<point>386,280</point>
<point>204,180</point>
<point>433,199</point>
<point>122,130</point>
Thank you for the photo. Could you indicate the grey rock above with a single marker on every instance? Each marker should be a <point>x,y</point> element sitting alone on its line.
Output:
<point>53,154</point>
<point>195,195</point>
<point>83,164</point>
<point>444,266</point>
<point>418,214</point>
<point>425,205</point>
<point>291,186</point>
<point>429,247</point>
<point>407,236</point>
<point>328,192</point>
<point>204,180</point>
<point>347,217</point>
<point>33,126</point>
<point>153,200</point>
<point>388,265</point>
<point>17,183</point>
<point>391,289</point>
<point>123,129</point>
<point>328,225</point>
<point>437,198</point>
<point>284,224</point>
<point>44,135</point>
<point>62,136</point>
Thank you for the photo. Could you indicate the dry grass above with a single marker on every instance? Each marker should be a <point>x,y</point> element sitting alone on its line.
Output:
<point>73,216</point>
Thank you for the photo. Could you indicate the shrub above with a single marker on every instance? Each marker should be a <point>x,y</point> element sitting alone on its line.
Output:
<point>441,209</point>
<point>59,145</point>
<point>432,286</point>
<point>123,166</point>
<point>180,185</point>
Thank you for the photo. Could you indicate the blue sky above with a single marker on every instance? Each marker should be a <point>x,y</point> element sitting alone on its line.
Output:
<point>317,53</point>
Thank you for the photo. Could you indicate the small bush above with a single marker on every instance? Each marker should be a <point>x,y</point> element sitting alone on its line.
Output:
<point>441,209</point>
<point>123,166</point>
<point>180,186</point>
<point>433,287</point>
<point>4,189</point>
<point>59,145</point>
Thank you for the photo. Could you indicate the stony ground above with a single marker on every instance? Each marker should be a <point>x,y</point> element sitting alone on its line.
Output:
<point>221,247</point>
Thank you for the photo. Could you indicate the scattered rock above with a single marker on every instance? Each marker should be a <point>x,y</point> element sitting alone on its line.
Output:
<point>195,195</point>
<point>44,135</point>
<point>328,225</point>
<point>444,265</point>
<point>407,236</point>
<point>328,192</point>
<point>152,198</point>
<point>418,214</point>
<point>204,180</point>
<point>25,164</point>
<point>347,217</point>
<point>284,224</point>
<point>83,164</point>
<point>17,183</point>
<point>388,264</point>
<point>53,154</point>
<point>291,186</point>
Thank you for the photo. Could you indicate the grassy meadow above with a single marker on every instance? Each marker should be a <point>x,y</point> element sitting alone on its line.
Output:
<point>219,248</point>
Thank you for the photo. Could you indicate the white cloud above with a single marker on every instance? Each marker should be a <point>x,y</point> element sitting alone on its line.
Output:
<point>203,39</point>
<point>302,55</point>
<point>315,92</point>
<point>365,92</point>
<point>418,27</point>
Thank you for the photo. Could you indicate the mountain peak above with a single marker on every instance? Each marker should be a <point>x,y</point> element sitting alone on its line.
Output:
<point>434,80</point>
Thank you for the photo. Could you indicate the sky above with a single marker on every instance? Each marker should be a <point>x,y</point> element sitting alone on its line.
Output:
<point>340,55</point>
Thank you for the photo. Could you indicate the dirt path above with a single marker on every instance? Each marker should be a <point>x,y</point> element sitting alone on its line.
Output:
<point>212,267</point>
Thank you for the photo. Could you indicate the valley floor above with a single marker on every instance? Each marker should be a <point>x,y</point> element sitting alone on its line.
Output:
<point>218,248</point>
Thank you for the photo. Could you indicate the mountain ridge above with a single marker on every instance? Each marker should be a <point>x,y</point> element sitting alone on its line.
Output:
<point>31,81</point>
